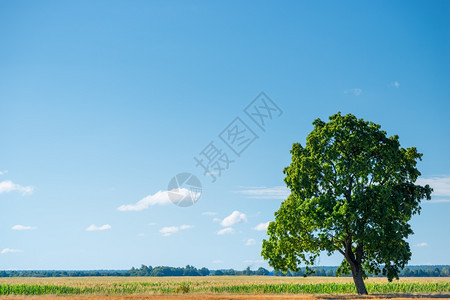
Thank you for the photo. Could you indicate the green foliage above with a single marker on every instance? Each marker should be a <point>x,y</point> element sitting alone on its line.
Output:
<point>184,288</point>
<point>126,288</point>
<point>353,191</point>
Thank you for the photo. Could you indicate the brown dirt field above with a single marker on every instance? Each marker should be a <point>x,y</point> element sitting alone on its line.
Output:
<point>231,297</point>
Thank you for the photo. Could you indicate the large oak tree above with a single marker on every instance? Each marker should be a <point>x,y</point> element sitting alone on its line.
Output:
<point>352,191</point>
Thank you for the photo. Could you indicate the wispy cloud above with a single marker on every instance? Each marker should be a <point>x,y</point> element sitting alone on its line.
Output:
<point>3,172</point>
<point>169,230</point>
<point>395,84</point>
<point>227,230</point>
<point>217,261</point>
<point>9,186</point>
<point>262,226</point>
<point>235,218</point>
<point>94,227</point>
<point>9,250</point>
<point>354,91</point>
<point>250,242</point>
<point>421,244</point>
<point>441,188</point>
<point>209,213</point>
<point>22,227</point>
<point>276,192</point>
<point>440,185</point>
<point>160,198</point>
<point>253,262</point>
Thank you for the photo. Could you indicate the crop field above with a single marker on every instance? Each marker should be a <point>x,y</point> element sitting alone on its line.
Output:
<point>207,287</point>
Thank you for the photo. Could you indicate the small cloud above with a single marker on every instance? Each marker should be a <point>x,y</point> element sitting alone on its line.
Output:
<point>227,230</point>
<point>217,261</point>
<point>209,213</point>
<point>160,198</point>
<point>94,227</point>
<point>3,172</point>
<point>236,217</point>
<point>22,227</point>
<point>276,192</point>
<point>253,261</point>
<point>152,224</point>
<point>169,230</point>
<point>440,185</point>
<point>9,186</point>
<point>262,226</point>
<point>438,201</point>
<point>9,250</point>
<point>250,242</point>
<point>421,244</point>
<point>395,84</point>
<point>183,227</point>
<point>217,220</point>
<point>142,234</point>
<point>355,92</point>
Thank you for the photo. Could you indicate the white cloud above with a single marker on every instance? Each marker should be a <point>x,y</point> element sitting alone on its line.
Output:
<point>276,192</point>
<point>217,220</point>
<point>227,230</point>
<point>9,250</point>
<point>22,227</point>
<point>3,172</point>
<point>236,217</point>
<point>9,186</point>
<point>396,84</point>
<point>262,226</point>
<point>354,91</point>
<point>183,227</point>
<point>217,261</point>
<point>421,244</point>
<point>161,198</point>
<point>94,227</point>
<point>256,261</point>
<point>438,201</point>
<point>209,213</point>
<point>169,230</point>
<point>440,185</point>
<point>250,242</point>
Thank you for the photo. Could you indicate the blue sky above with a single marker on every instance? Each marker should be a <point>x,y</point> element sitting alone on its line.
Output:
<point>103,102</point>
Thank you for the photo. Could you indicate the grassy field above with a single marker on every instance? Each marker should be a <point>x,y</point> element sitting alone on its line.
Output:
<point>216,285</point>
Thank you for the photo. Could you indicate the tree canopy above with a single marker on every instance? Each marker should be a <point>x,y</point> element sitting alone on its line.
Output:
<point>352,191</point>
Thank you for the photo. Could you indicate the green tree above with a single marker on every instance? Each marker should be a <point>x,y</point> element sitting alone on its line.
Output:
<point>352,191</point>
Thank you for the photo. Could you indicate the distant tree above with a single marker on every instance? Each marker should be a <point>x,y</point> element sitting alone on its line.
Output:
<point>262,272</point>
<point>204,271</point>
<point>352,191</point>
<point>218,273</point>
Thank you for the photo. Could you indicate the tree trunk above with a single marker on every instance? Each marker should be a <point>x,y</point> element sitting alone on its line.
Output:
<point>358,278</point>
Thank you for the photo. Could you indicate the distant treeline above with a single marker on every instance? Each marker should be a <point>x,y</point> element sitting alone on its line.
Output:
<point>410,271</point>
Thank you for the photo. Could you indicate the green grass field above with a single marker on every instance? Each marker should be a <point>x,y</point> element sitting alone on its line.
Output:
<point>215,285</point>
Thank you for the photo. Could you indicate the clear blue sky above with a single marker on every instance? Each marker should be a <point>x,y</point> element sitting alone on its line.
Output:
<point>103,102</point>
